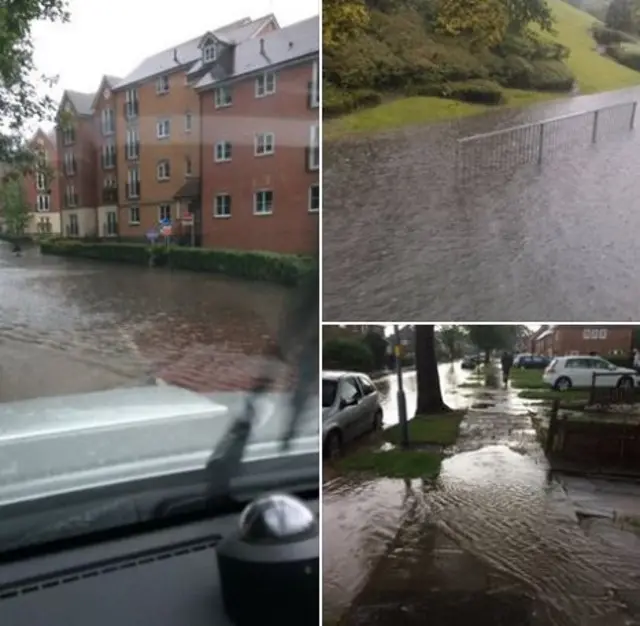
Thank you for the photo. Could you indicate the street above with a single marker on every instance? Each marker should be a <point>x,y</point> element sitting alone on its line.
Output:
<point>495,539</point>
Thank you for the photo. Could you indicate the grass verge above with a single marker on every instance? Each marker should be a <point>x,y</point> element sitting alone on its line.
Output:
<point>441,429</point>
<point>572,395</point>
<point>527,379</point>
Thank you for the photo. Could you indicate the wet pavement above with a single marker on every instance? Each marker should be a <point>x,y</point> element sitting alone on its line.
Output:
<point>543,243</point>
<point>73,326</point>
<point>495,540</point>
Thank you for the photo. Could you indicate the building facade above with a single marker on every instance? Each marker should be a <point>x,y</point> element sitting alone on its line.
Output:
<point>563,340</point>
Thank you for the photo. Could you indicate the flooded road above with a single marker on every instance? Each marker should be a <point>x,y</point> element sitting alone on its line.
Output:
<point>71,326</point>
<point>553,242</point>
<point>496,540</point>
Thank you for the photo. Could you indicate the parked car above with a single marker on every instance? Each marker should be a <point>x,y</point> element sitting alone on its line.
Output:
<point>531,361</point>
<point>350,409</point>
<point>566,372</point>
<point>470,362</point>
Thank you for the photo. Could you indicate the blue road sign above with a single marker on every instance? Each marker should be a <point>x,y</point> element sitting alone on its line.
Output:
<point>165,222</point>
<point>152,235</point>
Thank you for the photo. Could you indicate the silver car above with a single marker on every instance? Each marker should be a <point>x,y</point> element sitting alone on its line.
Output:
<point>350,409</point>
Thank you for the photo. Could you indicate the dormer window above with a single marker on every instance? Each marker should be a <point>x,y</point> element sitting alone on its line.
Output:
<point>209,52</point>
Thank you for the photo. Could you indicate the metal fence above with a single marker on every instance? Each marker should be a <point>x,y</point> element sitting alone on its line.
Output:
<point>503,150</point>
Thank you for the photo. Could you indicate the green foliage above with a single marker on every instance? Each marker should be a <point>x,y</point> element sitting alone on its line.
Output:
<point>336,102</point>
<point>14,208</point>
<point>378,346</point>
<point>620,16</point>
<point>523,13</point>
<point>607,36</point>
<point>482,22</point>
<point>453,338</point>
<point>19,100</point>
<point>629,57</point>
<point>347,353</point>
<point>341,19</point>
<point>279,268</point>
<point>478,91</point>
<point>488,337</point>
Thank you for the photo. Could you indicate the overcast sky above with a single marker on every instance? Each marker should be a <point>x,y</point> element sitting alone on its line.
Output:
<point>113,36</point>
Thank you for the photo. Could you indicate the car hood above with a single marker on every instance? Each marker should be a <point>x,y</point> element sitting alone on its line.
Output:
<point>65,443</point>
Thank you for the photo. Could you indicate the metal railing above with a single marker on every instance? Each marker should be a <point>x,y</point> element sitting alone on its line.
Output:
<point>503,150</point>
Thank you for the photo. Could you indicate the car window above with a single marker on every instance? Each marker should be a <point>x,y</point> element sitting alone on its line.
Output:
<point>329,391</point>
<point>578,364</point>
<point>602,364</point>
<point>349,390</point>
<point>367,386</point>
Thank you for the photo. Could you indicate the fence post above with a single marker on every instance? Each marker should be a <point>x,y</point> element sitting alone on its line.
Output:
<point>541,144</point>
<point>594,134</point>
<point>633,116</point>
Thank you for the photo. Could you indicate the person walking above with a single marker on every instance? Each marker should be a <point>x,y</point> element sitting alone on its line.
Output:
<point>506,362</point>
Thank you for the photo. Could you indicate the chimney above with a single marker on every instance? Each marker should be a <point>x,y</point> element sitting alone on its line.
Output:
<point>262,46</point>
<point>175,56</point>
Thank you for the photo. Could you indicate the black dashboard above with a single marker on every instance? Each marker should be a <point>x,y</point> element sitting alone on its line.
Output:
<point>166,577</point>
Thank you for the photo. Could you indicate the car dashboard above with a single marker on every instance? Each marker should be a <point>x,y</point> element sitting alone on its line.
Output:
<point>166,577</point>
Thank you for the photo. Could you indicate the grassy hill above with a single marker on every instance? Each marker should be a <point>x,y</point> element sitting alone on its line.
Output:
<point>593,73</point>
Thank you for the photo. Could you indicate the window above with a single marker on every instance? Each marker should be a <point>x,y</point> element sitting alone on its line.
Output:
<point>367,386</point>
<point>209,53</point>
<point>162,85</point>
<point>132,145</point>
<point>163,129</point>
<point>314,87</point>
<point>263,202</point>
<point>163,170</point>
<point>188,167</point>
<point>44,225</point>
<point>70,196</point>
<point>222,205</point>
<point>187,122</point>
<point>109,182</point>
<point>265,84</point>
<point>112,224</point>
<point>40,181</point>
<point>68,135</point>
<point>594,333</point>
<point>131,106</point>
<point>73,227</point>
<point>69,163</point>
<point>586,333</point>
<point>134,215</point>
<point>109,155</point>
<point>222,97</point>
<point>44,203</point>
<point>265,144</point>
<point>314,198</point>
<point>133,183</point>
<point>108,122</point>
<point>313,158</point>
<point>223,151</point>
<point>602,333</point>
<point>164,212</point>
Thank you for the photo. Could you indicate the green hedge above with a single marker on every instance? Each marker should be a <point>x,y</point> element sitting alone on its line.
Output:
<point>346,353</point>
<point>629,58</point>
<point>607,36</point>
<point>268,266</point>
<point>338,102</point>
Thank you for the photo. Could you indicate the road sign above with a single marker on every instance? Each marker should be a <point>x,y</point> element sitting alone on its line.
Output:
<point>152,235</point>
<point>165,222</point>
<point>187,217</point>
<point>166,231</point>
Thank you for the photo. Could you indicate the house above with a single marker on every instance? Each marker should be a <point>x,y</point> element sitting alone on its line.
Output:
<point>605,340</point>
<point>260,139</point>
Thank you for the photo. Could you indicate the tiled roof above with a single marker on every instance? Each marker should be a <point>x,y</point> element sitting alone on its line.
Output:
<point>82,102</point>
<point>286,44</point>
<point>189,52</point>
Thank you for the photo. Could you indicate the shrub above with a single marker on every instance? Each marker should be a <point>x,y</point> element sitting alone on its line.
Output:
<point>338,102</point>
<point>625,56</point>
<point>345,353</point>
<point>551,76</point>
<point>475,91</point>
<point>607,36</point>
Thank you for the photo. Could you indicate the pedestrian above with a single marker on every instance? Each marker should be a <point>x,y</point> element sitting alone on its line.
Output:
<point>507,362</point>
<point>636,360</point>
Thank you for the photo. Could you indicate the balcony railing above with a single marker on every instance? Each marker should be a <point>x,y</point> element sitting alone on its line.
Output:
<point>133,190</point>
<point>132,151</point>
<point>131,109</point>
<point>110,195</point>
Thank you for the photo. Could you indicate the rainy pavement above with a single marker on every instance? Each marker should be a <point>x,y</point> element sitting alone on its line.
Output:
<point>556,242</point>
<point>496,540</point>
<point>74,326</point>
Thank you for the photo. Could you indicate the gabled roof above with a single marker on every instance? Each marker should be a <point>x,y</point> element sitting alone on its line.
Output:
<point>82,102</point>
<point>293,42</point>
<point>188,52</point>
<point>106,81</point>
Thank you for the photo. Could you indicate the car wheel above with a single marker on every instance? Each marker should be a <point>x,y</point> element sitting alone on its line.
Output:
<point>626,382</point>
<point>377,420</point>
<point>333,445</point>
<point>563,384</point>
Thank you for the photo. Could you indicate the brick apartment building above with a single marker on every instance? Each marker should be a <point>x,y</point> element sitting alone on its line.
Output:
<point>564,340</point>
<point>42,187</point>
<point>218,134</point>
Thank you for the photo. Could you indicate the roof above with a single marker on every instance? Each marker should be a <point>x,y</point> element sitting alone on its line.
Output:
<point>82,102</point>
<point>107,80</point>
<point>293,42</point>
<point>191,189</point>
<point>189,51</point>
<point>545,334</point>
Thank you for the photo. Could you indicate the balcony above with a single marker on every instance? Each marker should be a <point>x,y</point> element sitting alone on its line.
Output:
<point>131,109</point>
<point>110,195</point>
<point>133,190</point>
<point>132,151</point>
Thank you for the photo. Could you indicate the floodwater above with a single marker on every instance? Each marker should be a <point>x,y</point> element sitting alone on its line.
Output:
<point>72,326</point>
<point>552,242</point>
<point>496,540</point>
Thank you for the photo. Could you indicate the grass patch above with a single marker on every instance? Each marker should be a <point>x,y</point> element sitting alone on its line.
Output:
<point>472,385</point>
<point>441,429</point>
<point>527,379</point>
<point>551,394</point>
<point>393,463</point>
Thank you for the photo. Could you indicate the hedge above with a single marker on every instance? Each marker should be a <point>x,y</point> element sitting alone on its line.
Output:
<point>606,36</point>
<point>628,57</point>
<point>346,353</point>
<point>285,269</point>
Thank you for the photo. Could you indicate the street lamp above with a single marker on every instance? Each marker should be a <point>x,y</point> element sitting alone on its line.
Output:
<point>402,402</point>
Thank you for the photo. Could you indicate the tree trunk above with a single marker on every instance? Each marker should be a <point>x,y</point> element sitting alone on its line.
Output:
<point>428,379</point>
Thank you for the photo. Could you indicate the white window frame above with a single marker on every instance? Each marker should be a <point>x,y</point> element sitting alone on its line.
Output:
<point>315,85</point>
<point>162,85</point>
<point>132,221</point>
<point>69,166</point>
<point>594,333</point>
<point>222,97</point>
<point>256,203</point>
<point>44,203</point>
<point>264,144</point>
<point>265,84</point>
<point>41,181</point>
<point>311,187</point>
<point>209,52</point>
<point>166,205</point>
<point>131,140</point>
<point>314,147</point>
<point>586,333</point>
<point>222,216</point>
<point>131,97</point>
<point>602,333</point>
<point>133,176</point>
<point>188,122</point>
<point>219,145</point>
<point>108,122</point>
<point>162,126</point>
<point>163,170</point>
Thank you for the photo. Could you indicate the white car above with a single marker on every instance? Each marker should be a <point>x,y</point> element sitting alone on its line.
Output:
<point>566,372</point>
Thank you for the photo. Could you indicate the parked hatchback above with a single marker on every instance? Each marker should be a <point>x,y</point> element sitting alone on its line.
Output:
<point>350,409</point>
<point>566,372</point>
<point>531,361</point>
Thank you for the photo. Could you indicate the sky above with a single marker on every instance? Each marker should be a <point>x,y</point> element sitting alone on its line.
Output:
<point>113,36</point>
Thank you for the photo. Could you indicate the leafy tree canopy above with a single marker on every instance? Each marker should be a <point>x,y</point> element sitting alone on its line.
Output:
<point>13,205</point>
<point>341,19</point>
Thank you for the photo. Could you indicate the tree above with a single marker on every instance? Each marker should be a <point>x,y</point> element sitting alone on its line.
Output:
<point>378,346</point>
<point>19,100</point>
<point>620,16</point>
<point>341,19</point>
<point>13,204</point>
<point>452,337</point>
<point>489,338</point>
<point>483,22</point>
<point>428,380</point>
<point>523,13</point>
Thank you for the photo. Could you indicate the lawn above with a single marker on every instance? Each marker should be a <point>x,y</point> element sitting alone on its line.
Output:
<point>441,429</point>
<point>594,73</point>
<point>527,379</point>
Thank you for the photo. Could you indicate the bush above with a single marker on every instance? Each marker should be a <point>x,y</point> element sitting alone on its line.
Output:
<point>279,268</point>
<point>607,36</point>
<point>476,91</point>
<point>625,56</point>
<point>551,76</point>
<point>337,102</point>
<point>345,353</point>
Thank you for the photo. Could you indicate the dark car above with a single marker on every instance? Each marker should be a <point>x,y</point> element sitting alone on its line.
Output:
<point>531,361</point>
<point>470,362</point>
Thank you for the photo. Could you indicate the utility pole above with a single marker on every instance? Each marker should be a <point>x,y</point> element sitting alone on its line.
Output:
<point>402,401</point>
